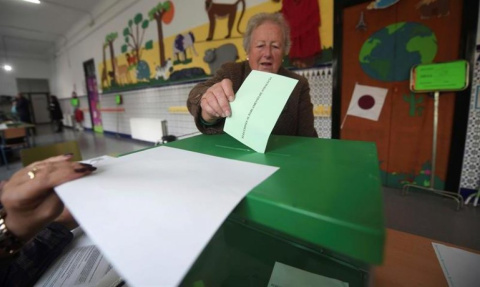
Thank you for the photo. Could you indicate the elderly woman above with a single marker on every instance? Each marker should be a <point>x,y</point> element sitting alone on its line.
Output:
<point>266,42</point>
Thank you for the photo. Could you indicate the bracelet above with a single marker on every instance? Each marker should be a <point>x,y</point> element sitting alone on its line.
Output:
<point>8,241</point>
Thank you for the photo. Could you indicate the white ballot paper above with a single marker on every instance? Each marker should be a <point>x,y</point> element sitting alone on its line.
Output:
<point>285,276</point>
<point>151,213</point>
<point>256,108</point>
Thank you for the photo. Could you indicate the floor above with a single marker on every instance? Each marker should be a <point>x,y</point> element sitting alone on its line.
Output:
<point>418,212</point>
<point>91,145</point>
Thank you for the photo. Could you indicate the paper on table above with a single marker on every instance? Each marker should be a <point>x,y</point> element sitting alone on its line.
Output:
<point>460,267</point>
<point>284,275</point>
<point>257,106</point>
<point>151,213</point>
<point>96,160</point>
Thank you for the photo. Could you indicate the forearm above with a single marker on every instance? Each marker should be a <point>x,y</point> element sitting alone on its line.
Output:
<point>194,107</point>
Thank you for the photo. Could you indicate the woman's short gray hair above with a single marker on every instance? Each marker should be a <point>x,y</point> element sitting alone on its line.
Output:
<point>261,18</point>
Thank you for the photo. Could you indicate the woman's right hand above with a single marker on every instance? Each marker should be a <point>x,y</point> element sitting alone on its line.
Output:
<point>215,102</point>
<point>29,199</point>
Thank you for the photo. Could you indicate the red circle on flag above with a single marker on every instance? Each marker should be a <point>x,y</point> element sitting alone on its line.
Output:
<point>366,102</point>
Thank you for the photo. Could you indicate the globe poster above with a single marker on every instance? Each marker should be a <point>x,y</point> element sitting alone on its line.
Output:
<point>390,53</point>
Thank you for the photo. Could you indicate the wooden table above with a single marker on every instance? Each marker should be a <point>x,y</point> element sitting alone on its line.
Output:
<point>27,126</point>
<point>410,260</point>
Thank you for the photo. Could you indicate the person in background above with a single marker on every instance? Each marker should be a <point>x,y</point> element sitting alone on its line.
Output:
<point>266,42</point>
<point>23,108</point>
<point>13,110</point>
<point>34,225</point>
<point>56,113</point>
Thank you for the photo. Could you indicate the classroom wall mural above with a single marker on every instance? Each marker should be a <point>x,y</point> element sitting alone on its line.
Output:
<point>152,59</point>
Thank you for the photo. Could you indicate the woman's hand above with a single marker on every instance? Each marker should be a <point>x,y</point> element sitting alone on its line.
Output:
<point>215,102</point>
<point>66,219</point>
<point>29,199</point>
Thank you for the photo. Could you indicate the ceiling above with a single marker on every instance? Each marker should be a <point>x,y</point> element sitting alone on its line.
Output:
<point>28,29</point>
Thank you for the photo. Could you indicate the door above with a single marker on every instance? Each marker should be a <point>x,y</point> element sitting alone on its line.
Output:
<point>41,114</point>
<point>379,48</point>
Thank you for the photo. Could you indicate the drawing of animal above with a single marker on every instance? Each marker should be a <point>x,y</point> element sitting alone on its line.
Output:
<point>188,73</point>
<point>181,44</point>
<point>131,59</point>
<point>164,71</point>
<point>218,56</point>
<point>433,8</point>
<point>143,71</point>
<point>122,74</point>
<point>220,11</point>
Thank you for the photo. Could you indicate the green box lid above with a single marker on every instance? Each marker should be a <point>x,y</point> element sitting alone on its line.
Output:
<point>326,193</point>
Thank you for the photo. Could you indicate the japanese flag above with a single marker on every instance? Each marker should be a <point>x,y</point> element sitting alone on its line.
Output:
<point>367,102</point>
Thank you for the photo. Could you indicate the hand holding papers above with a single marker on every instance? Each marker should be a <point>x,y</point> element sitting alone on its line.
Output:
<point>257,106</point>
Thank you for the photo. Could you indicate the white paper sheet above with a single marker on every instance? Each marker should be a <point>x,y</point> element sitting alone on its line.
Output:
<point>286,276</point>
<point>461,268</point>
<point>152,212</point>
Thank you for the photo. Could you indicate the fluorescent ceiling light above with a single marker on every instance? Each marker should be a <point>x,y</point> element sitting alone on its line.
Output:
<point>7,67</point>
<point>33,1</point>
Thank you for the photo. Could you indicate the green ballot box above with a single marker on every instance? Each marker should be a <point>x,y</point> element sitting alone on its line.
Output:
<point>321,212</point>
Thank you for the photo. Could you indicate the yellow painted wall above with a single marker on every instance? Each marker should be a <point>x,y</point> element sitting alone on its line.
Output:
<point>201,33</point>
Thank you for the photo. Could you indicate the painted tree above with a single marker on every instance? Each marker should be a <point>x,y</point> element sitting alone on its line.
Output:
<point>104,69</point>
<point>109,41</point>
<point>133,34</point>
<point>162,13</point>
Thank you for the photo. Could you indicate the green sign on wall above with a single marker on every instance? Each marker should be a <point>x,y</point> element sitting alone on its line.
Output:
<point>439,77</point>
<point>75,102</point>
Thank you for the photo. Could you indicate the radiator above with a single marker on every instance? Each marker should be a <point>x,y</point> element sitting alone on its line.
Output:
<point>148,129</point>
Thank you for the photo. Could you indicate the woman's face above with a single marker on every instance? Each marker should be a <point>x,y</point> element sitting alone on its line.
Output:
<point>266,48</point>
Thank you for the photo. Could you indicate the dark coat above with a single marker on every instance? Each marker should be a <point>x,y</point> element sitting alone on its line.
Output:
<point>55,110</point>
<point>296,118</point>
<point>23,110</point>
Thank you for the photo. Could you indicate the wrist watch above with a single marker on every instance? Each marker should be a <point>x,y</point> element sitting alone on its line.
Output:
<point>8,241</point>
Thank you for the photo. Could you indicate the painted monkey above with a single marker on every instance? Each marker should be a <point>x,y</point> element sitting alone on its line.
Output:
<point>217,10</point>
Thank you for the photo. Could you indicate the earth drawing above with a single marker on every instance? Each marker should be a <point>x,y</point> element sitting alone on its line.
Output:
<point>390,53</point>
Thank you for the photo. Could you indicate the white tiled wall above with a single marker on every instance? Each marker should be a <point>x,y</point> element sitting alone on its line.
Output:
<point>149,103</point>
<point>471,159</point>
<point>320,81</point>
